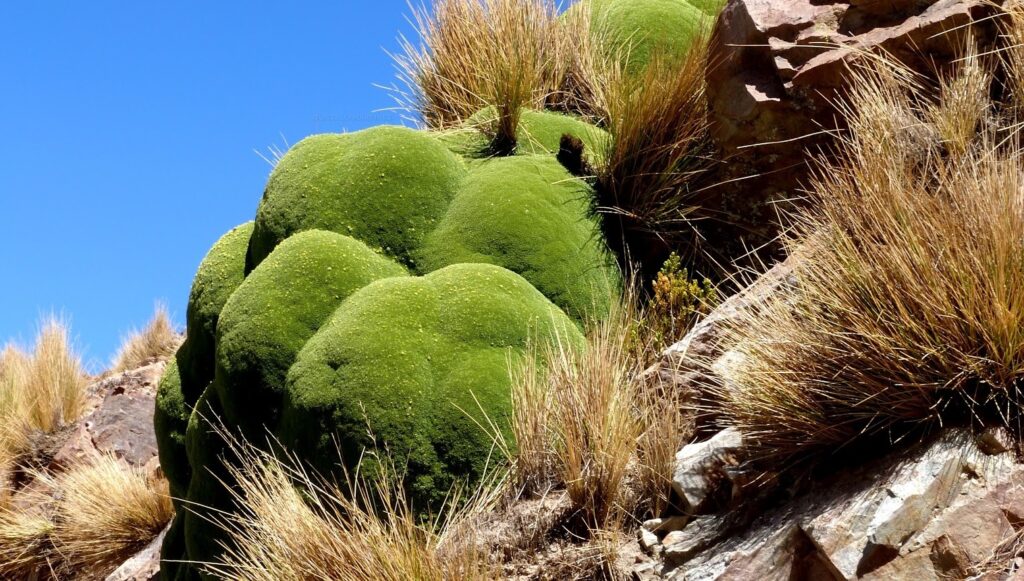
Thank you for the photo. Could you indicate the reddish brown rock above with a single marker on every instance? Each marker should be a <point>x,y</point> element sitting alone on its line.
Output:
<point>778,67</point>
<point>120,421</point>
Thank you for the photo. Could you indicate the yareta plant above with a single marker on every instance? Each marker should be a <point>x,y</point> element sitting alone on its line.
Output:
<point>384,288</point>
<point>389,279</point>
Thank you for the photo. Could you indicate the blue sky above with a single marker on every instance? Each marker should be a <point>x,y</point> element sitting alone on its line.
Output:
<point>128,138</point>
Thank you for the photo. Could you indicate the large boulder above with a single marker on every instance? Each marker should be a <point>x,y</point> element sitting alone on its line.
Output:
<point>779,66</point>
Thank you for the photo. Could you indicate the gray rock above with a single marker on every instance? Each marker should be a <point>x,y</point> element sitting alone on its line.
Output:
<point>699,464</point>
<point>144,566</point>
<point>935,511</point>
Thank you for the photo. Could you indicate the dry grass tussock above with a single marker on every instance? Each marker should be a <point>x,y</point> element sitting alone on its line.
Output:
<point>85,520</point>
<point>106,511</point>
<point>587,420</point>
<point>649,178</point>
<point>26,547</point>
<point>159,340</point>
<point>908,313</point>
<point>505,54</point>
<point>365,530</point>
<point>41,390</point>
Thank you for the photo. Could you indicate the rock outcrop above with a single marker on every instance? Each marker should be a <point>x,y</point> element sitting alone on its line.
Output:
<point>950,506</point>
<point>778,67</point>
<point>943,510</point>
<point>118,421</point>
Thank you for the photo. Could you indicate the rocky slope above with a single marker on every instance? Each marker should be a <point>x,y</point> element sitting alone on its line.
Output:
<point>118,421</point>
<point>950,506</point>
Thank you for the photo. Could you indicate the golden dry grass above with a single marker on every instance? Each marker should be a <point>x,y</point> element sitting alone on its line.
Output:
<point>39,391</point>
<point>53,392</point>
<point>472,54</point>
<point>158,340</point>
<point>908,313</point>
<point>25,544</point>
<point>81,522</point>
<point>648,178</point>
<point>106,511</point>
<point>366,531</point>
<point>589,421</point>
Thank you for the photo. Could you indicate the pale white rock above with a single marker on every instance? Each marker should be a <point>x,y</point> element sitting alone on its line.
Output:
<point>695,462</point>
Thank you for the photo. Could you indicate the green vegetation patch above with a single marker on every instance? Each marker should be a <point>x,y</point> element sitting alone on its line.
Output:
<point>422,363</point>
<point>170,421</point>
<point>527,214</point>
<point>539,132</point>
<point>386,186</point>
<point>277,309</point>
<point>219,274</point>
<point>642,28</point>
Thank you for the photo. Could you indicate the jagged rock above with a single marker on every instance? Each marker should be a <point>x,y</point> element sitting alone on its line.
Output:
<point>680,546</point>
<point>935,511</point>
<point>685,365</point>
<point>144,566</point>
<point>119,420</point>
<point>700,467</point>
<point>779,66</point>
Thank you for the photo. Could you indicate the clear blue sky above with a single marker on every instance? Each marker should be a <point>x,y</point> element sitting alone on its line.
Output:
<point>128,131</point>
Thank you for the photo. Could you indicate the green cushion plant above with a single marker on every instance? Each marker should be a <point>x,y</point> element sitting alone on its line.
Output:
<point>385,285</point>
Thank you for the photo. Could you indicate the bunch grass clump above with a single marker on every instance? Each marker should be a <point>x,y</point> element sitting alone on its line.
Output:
<point>294,525</point>
<point>26,549</point>
<point>158,340</point>
<point>82,522</point>
<point>40,391</point>
<point>473,54</point>
<point>649,180</point>
<point>908,310</point>
<point>589,421</point>
<point>106,511</point>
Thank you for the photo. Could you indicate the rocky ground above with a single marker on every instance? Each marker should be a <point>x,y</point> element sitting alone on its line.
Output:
<point>118,421</point>
<point>948,507</point>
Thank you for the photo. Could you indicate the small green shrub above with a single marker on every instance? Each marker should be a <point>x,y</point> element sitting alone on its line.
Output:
<point>677,302</point>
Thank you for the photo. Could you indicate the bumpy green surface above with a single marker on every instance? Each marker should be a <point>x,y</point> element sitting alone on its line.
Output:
<point>539,132</point>
<point>386,186</point>
<point>526,213</point>
<point>386,283</point>
<point>219,274</point>
<point>277,309</point>
<point>447,339</point>
<point>641,28</point>
<point>169,422</point>
<point>459,208</point>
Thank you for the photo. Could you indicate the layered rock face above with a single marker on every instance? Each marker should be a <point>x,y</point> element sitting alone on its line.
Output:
<point>949,509</point>
<point>948,506</point>
<point>779,67</point>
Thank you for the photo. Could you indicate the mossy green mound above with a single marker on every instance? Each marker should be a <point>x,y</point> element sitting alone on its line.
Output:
<point>527,214</point>
<point>386,186</point>
<point>169,423</point>
<point>539,132</point>
<point>638,29</point>
<point>386,283</point>
<point>463,212</point>
<point>219,274</point>
<point>448,339</point>
<point>277,309</point>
